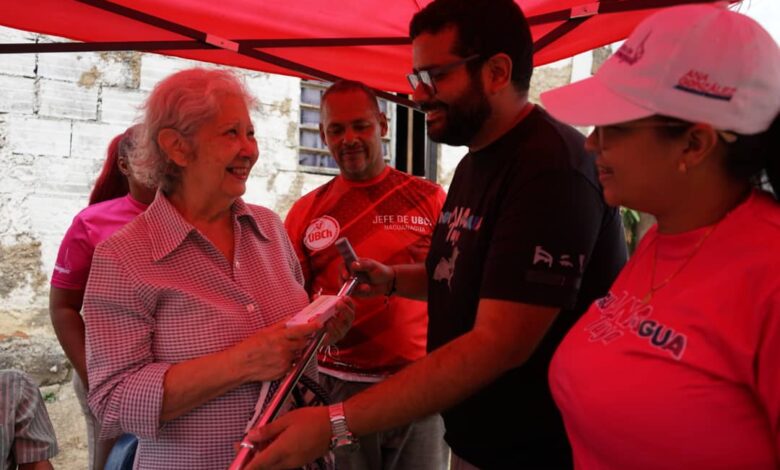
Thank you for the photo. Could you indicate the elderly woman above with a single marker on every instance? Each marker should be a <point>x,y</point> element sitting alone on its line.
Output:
<point>186,306</point>
<point>677,367</point>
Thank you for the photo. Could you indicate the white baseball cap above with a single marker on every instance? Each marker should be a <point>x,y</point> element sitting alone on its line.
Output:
<point>699,63</point>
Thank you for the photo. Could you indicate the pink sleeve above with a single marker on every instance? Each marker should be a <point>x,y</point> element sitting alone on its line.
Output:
<point>74,258</point>
<point>125,384</point>
<point>767,375</point>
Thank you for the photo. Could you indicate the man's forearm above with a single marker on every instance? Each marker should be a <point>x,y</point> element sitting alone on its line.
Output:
<point>430,385</point>
<point>504,336</point>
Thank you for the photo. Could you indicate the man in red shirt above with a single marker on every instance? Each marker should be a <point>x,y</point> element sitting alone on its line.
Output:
<point>387,215</point>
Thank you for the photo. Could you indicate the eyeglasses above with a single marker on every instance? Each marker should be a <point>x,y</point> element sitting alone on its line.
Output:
<point>429,76</point>
<point>615,130</point>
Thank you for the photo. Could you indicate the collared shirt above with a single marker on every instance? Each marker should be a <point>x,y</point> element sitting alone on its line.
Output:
<point>26,433</point>
<point>160,293</point>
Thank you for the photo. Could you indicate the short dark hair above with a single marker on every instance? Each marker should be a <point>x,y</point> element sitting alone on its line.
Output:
<point>757,156</point>
<point>484,27</point>
<point>352,85</point>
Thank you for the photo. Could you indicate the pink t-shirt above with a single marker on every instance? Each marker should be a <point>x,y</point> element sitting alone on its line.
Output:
<point>90,227</point>
<point>690,380</point>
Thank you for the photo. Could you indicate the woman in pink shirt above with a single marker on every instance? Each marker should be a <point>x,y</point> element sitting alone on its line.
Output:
<point>119,195</point>
<point>677,367</point>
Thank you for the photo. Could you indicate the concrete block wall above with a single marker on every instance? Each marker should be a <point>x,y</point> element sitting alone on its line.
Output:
<point>58,113</point>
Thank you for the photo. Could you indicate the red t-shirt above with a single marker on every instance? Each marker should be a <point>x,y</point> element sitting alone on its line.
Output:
<point>689,380</point>
<point>389,218</point>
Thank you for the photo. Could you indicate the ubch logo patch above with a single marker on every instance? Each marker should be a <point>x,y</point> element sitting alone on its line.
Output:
<point>321,233</point>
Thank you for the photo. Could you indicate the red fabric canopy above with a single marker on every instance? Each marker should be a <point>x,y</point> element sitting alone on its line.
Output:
<point>561,28</point>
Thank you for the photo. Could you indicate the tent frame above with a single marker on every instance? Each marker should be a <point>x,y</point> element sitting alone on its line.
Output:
<point>572,18</point>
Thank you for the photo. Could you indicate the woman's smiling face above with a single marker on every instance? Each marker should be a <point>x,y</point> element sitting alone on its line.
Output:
<point>224,150</point>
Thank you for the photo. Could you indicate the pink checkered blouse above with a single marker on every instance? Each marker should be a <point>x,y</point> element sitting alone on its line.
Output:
<point>160,293</point>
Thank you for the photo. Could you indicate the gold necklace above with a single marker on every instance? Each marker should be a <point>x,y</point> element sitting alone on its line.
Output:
<point>653,287</point>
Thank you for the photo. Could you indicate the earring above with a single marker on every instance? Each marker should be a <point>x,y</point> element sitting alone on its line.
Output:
<point>682,168</point>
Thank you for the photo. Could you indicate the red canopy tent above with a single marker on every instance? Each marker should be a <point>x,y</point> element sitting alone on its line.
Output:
<point>325,39</point>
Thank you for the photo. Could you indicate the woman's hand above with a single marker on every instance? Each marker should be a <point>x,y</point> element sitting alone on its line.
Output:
<point>266,355</point>
<point>270,353</point>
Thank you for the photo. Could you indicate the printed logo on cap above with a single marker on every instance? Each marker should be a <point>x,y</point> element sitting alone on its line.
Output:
<point>700,83</point>
<point>631,55</point>
<point>321,233</point>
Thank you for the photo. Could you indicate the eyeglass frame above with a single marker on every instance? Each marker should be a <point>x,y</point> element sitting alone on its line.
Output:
<point>428,77</point>
<point>598,131</point>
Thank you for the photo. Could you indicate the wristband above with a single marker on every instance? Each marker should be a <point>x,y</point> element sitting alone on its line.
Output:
<point>341,437</point>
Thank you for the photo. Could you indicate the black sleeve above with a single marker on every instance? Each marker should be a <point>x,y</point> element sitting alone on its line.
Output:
<point>542,241</point>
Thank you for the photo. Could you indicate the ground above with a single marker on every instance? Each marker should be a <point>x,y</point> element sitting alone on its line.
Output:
<point>65,414</point>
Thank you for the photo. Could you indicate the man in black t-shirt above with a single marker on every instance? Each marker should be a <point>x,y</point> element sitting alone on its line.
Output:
<point>523,245</point>
<point>524,232</point>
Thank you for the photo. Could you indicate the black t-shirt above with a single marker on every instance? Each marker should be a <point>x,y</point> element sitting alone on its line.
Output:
<point>524,221</point>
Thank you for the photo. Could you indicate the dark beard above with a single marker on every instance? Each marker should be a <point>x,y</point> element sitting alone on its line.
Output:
<point>464,117</point>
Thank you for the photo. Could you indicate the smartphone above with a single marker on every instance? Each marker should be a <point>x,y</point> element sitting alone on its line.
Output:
<point>348,254</point>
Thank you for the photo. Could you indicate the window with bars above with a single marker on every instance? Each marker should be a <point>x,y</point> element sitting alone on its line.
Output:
<point>313,154</point>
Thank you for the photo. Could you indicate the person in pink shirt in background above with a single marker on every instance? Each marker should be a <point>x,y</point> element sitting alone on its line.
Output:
<point>120,193</point>
<point>677,367</point>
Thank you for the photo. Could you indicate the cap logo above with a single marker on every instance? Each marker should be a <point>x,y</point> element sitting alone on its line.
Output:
<point>631,55</point>
<point>699,83</point>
